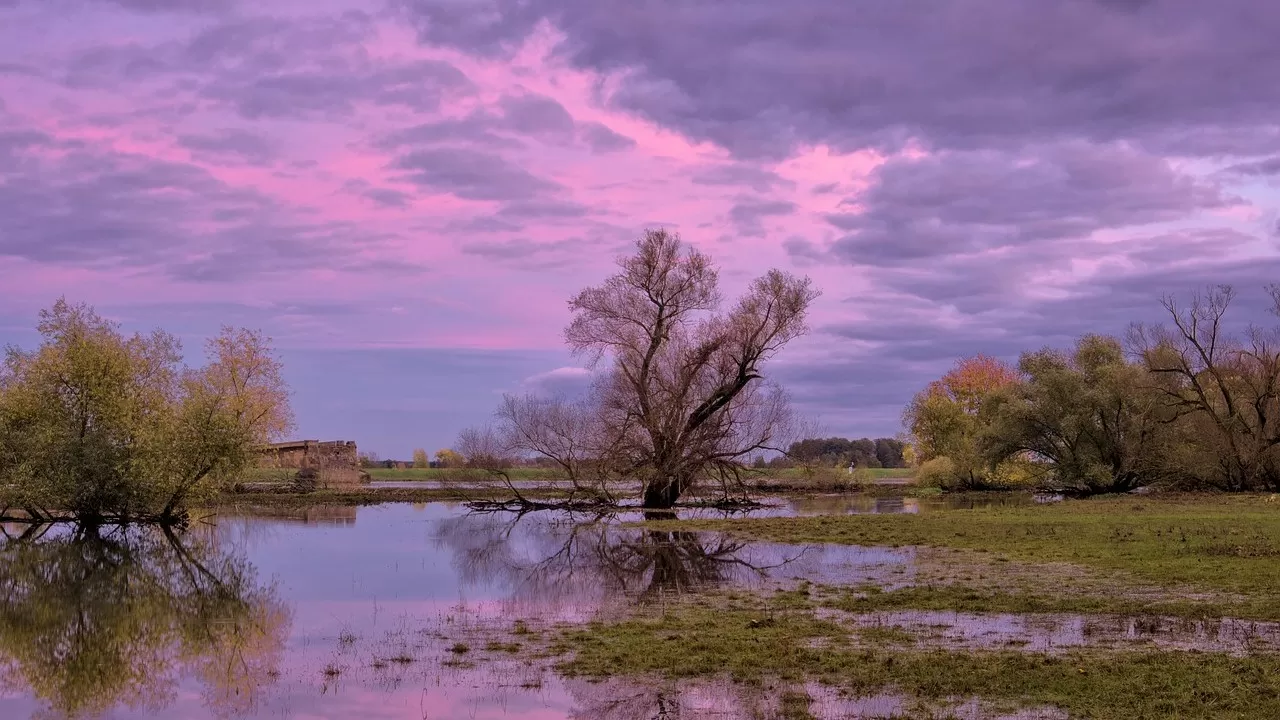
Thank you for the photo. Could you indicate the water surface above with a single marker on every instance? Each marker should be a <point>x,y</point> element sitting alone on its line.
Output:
<point>338,612</point>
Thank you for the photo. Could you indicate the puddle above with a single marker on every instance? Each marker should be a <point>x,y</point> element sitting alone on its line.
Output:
<point>854,504</point>
<point>1048,633</point>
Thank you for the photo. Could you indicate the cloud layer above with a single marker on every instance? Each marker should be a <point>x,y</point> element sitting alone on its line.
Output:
<point>438,177</point>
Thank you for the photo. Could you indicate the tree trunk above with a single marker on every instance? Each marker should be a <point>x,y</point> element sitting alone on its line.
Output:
<point>661,494</point>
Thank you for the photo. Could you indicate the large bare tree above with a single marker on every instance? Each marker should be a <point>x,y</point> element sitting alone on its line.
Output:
<point>683,395</point>
<point>1222,391</point>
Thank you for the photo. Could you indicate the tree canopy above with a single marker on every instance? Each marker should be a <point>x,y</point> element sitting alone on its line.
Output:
<point>1188,404</point>
<point>681,395</point>
<point>98,426</point>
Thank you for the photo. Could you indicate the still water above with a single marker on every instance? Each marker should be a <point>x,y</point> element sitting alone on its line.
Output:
<point>337,612</point>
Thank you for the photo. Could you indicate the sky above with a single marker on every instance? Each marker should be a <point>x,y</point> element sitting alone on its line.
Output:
<point>404,194</point>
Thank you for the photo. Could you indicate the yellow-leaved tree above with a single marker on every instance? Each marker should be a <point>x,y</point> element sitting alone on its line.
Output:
<point>96,426</point>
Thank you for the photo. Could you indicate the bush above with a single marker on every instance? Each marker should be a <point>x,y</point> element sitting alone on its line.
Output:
<point>940,472</point>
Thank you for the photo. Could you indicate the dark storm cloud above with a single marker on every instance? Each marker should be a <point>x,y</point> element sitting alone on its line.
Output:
<point>231,144</point>
<point>381,196</point>
<point>299,94</point>
<point>13,143</point>
<point>482,224</point>
<point>140,6</point>
<point>530,254</point>
<point>957,73</point>
<point>601,139</point>
<point>964,202</point>
<point>476,129</point>
<point>470,174</point>
<point>274,68</point>
<point>170,6</point>
<point>543,209</point>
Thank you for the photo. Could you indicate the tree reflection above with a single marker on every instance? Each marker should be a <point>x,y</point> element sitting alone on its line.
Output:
<point>554,561</point>
<point>93,619</point>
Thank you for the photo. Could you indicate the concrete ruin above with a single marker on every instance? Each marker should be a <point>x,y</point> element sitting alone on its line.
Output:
<point>329,464</point>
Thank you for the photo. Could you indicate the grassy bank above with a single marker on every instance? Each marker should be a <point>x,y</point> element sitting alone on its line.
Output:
<point>758,641</point>
<point>1227,543</point>
<point>1189,556</point>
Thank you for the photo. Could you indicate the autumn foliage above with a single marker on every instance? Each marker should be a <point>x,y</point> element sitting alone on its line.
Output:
<point>96,426</point>
<point>1188,404</point>
<point>945,425</point>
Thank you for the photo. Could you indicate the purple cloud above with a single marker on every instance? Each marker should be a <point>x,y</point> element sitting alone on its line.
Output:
<point>405,199</point>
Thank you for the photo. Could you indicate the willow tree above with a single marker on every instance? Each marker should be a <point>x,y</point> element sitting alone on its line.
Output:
<point>1221,391</point>
<point>1085,416</point>
<point>684,395</point>
<point>96,426</point>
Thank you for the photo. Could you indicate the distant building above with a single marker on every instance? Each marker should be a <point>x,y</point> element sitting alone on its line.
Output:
<point>330,463</point>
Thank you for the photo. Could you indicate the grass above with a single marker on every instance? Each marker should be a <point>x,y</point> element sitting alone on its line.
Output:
<point>1179,555</point>
<point>1217,543</point>
<point>758,640</point>
<point>968,598</point>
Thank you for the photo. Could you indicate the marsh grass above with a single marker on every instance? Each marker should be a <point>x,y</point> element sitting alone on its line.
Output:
<point>1213,542</point>
<point>968,598</point>
<point>784,640</point>
<point>1180,556</point>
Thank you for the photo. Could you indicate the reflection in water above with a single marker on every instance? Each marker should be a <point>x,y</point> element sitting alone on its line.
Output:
<point>856,504</point>
<point>93,619</point>
<point>557,565</point>
<point>364,619</point>
<point>548,562</point>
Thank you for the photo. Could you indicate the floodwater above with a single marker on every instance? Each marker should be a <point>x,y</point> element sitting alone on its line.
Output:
<point>335,612</point>
<point>383,612</point>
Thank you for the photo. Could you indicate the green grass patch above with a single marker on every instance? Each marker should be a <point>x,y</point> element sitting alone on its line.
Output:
<point>1213,542</point>
<point>965,598</point>
<point>757,643</point>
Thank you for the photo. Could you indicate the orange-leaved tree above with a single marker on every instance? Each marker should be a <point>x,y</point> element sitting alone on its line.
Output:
<point>945,422</point>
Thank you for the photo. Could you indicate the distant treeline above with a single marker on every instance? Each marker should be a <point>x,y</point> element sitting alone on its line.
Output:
<point>1184,405</point>
<point>842,452</point>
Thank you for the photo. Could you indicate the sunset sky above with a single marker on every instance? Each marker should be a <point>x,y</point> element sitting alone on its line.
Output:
<point>405,193</point>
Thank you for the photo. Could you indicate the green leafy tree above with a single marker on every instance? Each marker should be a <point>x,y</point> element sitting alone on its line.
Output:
<point>1086,417</point>
<point>97,426</point>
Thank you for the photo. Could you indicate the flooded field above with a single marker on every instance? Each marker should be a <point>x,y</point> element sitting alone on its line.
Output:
<point>430,611</point>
